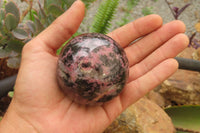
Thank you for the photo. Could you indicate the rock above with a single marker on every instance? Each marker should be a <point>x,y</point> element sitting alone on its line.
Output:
<point>142,117</point>
<point>92,69</point>
<point>156,98</point>
<point>125,123</point>
<point>182,88</point>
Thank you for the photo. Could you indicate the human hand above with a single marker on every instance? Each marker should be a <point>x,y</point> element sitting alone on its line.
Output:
<point>38,104</point>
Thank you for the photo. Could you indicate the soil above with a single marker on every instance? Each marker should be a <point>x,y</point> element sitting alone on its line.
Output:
<point>5,71</point>
<point>4,103</point>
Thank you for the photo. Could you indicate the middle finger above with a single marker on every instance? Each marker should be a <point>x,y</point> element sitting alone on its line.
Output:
<point>142,48</point>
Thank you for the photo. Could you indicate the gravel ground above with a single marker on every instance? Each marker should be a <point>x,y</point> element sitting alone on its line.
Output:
<point>190,16</point>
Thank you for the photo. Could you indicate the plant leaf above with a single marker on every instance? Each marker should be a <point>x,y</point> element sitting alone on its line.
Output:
<point>20,33</point>
<point>41,13</point>
<point>13,62</point>
<point>31,26</point>
<point>182,9</point>
<point>87,2</point>
<point>103,16</point>
<point>3,41</point>
<point>2,14</point>
<point>4,53</point>
<point>11,7</point>
<point>15,45</point>
<point>147,11</point>
<point>38,24</point>
<point>66,4</point>
<point>131,4</point>
<point>10,22</point>
<point>49,20</point>
<point>186,117</point>
<point>41,3</point>
<point>11,94</point>
<point>55,10</point>
<point>47,3</point>
<point>30,15</point>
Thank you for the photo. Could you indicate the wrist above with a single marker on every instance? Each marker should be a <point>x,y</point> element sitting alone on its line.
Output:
<point>13,123</point>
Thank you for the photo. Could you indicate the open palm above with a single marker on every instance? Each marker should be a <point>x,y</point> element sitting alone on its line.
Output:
<point>39,104</point>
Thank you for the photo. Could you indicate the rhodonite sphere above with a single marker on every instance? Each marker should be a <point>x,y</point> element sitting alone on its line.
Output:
<point>92,69</point>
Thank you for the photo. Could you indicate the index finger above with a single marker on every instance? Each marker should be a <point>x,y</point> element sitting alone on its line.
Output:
<point>136,29</point>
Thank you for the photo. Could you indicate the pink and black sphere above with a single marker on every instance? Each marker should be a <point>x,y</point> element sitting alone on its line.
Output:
<point>92,69</point>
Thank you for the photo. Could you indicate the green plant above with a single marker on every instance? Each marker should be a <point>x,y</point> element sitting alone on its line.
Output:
<point>88,2</point>
<point>147,11</point>
<point>131,4</point>
<point>49,10</point>
<point>10,94</point>
<point>13,34</point>
<point>104,15</point>
<point>185,118</point>
<point>130,7</point>
<point>17,29</point>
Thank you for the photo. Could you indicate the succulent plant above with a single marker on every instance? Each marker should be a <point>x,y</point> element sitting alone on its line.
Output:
<point>18,27</point>
<point>49,10</point>
<point>13,34</point>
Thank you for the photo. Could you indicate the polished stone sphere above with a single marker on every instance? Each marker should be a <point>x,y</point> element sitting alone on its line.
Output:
<point>92,69</point>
